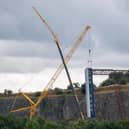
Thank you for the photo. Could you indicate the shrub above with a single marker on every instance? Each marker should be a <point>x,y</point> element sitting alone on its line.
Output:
<point>116,78</point>
<point>124,124</point>
<point>41,122</point>
<point>11,122</point>
<point>32,124</point>
<point>37,94</point>
<point>58,91</point>
<point>51,125</point>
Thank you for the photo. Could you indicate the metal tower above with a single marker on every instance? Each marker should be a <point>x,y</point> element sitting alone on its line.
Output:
<point>90,108</point>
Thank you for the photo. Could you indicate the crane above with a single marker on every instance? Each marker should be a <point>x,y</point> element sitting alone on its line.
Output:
<point>34,105</point>
<point>62,58</point>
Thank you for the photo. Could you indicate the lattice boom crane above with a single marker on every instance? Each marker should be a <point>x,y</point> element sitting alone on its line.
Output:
<point>34,105</point>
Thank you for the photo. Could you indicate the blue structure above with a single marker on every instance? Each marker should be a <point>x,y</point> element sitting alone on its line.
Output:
<point>89,93</point>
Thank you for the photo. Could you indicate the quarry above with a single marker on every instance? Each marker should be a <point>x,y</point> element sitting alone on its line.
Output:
<point>111,103</point>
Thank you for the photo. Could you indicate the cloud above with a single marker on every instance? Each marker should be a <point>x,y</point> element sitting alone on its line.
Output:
<point>67,19</point>
<point>112,60</point>
<point>36,82</point>
<point>31,57</point>
<point>122,5</point>
<point>23,65</point>
<point>14,48</point>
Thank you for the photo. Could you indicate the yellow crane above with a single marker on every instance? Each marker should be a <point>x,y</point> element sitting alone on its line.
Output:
<point>34,105</point>
<point>62,58</point>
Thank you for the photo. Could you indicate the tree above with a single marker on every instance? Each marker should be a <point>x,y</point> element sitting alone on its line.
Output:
<point>83,88</point>
<point>75,85</point>
<point>107,82</point>
<point>58,91</point>
<point>116,78</point>
<point>37,94</point>
<point>8,92</point>
<point>32,124</point>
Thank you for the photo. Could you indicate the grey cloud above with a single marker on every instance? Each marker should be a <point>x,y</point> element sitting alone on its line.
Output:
<point>26,65</point>
<point>111,60</point>
<point>14,48</point>
<point>122,5</point>
<point>19,23</point>
<point>114,37</point>
<point>66,17</point>
<point>31,57</point>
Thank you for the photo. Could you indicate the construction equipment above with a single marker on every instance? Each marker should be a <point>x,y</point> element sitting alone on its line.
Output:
<point>34,105</point>
<point>62,58</point>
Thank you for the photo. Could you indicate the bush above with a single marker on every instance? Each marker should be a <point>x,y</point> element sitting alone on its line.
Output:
<point>52,125</point>
<point>107,82</point>
<point>37,94</point>
<point>11,122</point>
<point>58,91</point>
<point>83,88</point>
<point>116,78</point>
<point>74,85</point>
<point>124,124</point>
<point>32,124</point>
<point>41,122</point>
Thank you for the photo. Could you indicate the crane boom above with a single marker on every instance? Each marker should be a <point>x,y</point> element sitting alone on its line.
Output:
<point>47,25</point>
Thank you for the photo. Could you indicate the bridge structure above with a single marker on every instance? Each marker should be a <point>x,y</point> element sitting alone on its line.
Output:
<point>89,72</point>
<point>100,71</point>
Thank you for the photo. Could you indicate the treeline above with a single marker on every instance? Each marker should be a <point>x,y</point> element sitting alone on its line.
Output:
<point>11,122</point>
<point>116,78</point>
<point>80,89</point>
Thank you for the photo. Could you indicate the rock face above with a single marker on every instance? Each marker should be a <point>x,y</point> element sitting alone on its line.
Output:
<point>111,103</point>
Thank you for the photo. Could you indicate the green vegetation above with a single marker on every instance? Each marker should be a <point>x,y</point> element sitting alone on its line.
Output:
<point>11,122</point>
<point>116,78</point>
<point>55,91</point>
<point>83,86</point>
<point>75,85</point>
<point>58,91</point>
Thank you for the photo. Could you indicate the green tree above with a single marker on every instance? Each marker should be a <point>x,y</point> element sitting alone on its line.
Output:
<point>32,124</point>
<point>58,91</point>
<point>116,78</point>
<point>37,94</point>
<point>52,125</point>
<point>75,85</point>
<point>41,122</point>
<point>2,121</point>
<point>83,86</point>
<point>107,82</point>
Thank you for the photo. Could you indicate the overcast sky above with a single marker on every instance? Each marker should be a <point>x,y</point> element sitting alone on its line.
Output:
<point>28,54</point>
